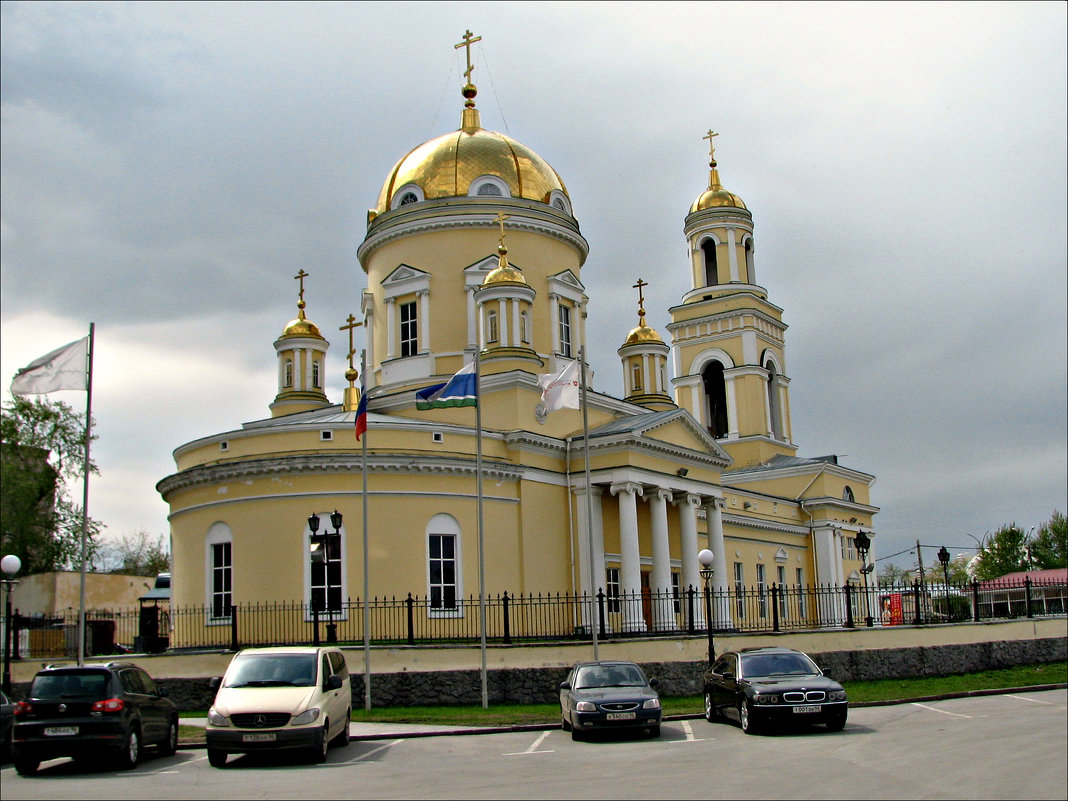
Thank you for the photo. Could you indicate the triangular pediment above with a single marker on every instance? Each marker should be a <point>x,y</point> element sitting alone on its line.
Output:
<point>675,429</point>
<point>568,278</point>
<point>483,265</point>
<point>404,272</point>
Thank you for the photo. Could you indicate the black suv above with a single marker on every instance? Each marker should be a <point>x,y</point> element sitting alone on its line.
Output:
<point>92,711</point>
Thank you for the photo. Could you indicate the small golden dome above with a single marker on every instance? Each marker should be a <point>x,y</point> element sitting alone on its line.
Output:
<point>717,198</point>
<point>302,326</point>
<point>642,333</point>
<point>504,274</point>
<point>445,167</point>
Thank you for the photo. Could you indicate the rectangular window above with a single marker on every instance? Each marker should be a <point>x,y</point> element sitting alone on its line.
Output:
<point>762,590</point>
<point>676,593</point>
<point>739,590</point>
<point>612,588</point>
<point>781,572</point>
<point>443,572</point>
<point>409,329</point>
<point>221,579</point>
<point>326,574</point>
<point>565,330</point>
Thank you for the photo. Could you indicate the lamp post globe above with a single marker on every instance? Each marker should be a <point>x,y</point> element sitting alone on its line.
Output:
<point>705,558</point>
<point>10,565</point>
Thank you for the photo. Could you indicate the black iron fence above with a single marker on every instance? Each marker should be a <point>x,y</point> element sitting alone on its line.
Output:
<point>511,619</point>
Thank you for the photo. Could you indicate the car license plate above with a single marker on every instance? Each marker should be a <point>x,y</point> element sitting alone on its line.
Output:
<point>258,738</point>
<point>620,716</point>
<point>807,710</point>
<point>60,731</point>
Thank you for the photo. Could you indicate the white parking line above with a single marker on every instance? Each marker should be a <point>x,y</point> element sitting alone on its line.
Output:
<point>534,746</point>
<point>686,727</point>
<point>1032,700</point>
<point>941,711</point>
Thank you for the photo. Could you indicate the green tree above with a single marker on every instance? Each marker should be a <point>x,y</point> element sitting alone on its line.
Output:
<point>1003,552</point>
<point>42,451</point>
<point>137,554</point>
<point>1049,548</point>
<point>892,576</point>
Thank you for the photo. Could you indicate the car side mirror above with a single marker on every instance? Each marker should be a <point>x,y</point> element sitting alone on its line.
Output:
<point>565,686</point>
<point>162,691</point>
<point>333,683</point>
<point>654,683</point>
<point>215,683</point>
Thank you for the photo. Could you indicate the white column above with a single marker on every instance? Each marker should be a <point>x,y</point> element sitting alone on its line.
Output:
<point>732,253</point>
<point>590,539</point>
<point>391,328</point>
<point>517,340</point>
<point>369,338</point>
<point>554,322</point>
<point>630,575</point>
<point>732,407</point>
<point>663,604</point>
<point>503,338</point>
<point>424,321</point>
<point>721,611</point>
<point>473,321</point>
<point>691,568</point>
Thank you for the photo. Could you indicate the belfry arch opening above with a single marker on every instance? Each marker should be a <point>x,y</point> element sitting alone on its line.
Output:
<point>715,398</point>
<point>708,248</point>
<point>774,407</point>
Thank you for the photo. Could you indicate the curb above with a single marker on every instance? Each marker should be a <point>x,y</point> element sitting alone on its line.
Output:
<point>189,745</point>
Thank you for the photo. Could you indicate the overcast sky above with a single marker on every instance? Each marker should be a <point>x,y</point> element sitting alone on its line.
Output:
<point>168,167</point>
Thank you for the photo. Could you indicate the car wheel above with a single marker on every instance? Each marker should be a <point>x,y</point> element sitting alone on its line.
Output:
<point>837,723</point>
<point>746,717</point>
<point>26,766</point>
<point>342,738</point>
<point>130,754</point>
<point>323,746</point>
<point>170,745</point>
<point>216,758</point>
<point>576,735</point>
<point>710,709</point>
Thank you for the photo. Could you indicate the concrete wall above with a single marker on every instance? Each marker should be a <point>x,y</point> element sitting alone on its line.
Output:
<point>411,676</point>
<point>60,592</point>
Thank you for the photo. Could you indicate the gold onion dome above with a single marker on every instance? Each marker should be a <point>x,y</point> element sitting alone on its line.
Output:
<point>446,167</point>
<point>503,273</point>
<point>642,333</point>
<point>715,196</point>
<point>302,326</point>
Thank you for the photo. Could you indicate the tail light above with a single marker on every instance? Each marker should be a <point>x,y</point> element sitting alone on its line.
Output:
<point>109,705</point>
<point>22,708</point>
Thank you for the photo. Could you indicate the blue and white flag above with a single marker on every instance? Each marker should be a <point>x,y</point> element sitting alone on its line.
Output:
<point>460,390</point>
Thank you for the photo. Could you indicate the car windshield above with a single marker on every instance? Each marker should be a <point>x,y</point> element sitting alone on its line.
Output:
<point>272,670</point>
<point>92,684</point>
<point>777,665</point>
<point>609,676</point>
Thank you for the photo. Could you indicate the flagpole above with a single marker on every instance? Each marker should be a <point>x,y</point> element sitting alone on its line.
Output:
<point>589,501</point>
<point>366,571</point>
<point>85,497</point>
<point>481,554</point>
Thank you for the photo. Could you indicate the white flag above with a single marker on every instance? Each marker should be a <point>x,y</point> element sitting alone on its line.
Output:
<point>560,391</point>
<point>64,368</point>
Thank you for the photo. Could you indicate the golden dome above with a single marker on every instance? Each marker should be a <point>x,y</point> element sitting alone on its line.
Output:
<point>717,198</point>
<point>301,327</point>
<point>504,273</point>
<point>642,333</point>
<point>445,167</point>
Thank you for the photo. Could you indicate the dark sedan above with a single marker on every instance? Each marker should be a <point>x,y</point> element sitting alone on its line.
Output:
<point>760,687</point>
<point>607,695</point>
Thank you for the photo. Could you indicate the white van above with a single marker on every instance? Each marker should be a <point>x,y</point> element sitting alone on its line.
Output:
<point>286,697</point>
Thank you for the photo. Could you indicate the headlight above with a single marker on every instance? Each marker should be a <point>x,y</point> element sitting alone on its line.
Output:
<point>836,695</point>
<point>307,716</point>
<point>767,699</point>
<point>585,706</point>
<point>652,703</point>
<point>215,719</point>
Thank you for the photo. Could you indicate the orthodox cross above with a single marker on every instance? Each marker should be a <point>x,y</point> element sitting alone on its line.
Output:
<point>467,42</point>
<point>499,219</point>
<point>641,297</point>
<point>300,277</point>
<point>352,325</point>
<point>711,147</point>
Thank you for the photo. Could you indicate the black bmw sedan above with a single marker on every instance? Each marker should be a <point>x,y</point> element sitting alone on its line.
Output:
<point>608,694</point>
<point>760,687</point>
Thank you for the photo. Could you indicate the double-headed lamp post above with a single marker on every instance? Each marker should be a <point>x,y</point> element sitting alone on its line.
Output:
<point>863,543</point>
<point>943,557</point>
<point>321,553</point>
<point>705,559</point>
<point>10,565</point>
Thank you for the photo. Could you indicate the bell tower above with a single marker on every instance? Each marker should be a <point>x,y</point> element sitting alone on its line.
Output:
<point>301,352</point>
<point>728,340</point>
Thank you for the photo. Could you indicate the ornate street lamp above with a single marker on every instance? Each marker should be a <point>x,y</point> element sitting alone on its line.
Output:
<point>943,557</point>
<point>863,542</point>
<point>705,558</point>
<point>10,565</point>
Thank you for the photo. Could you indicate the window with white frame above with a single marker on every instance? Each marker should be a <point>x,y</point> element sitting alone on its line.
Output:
<point>762,589</point>
<point>781,573</point>
<point>409,329</point>
<point>287,378</point>
<point>325,577</point>
<point>676,592</point>
<point>492,333</point>
<point>443,566</point>
<point>565,330</point>
<point>611,588</point>
<point>316,378</point>
<point>802,606</point>
<point>739,590</point>
<point>524,327</point>
<point>219,576</point>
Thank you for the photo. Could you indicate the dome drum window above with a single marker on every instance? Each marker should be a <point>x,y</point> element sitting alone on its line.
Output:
<point>489,186</point>
<point>406,195</point>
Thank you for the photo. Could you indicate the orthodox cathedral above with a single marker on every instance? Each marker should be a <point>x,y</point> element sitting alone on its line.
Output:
<point>472,250</point>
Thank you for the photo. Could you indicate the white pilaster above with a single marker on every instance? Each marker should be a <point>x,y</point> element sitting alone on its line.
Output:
<point>630,575</point>
<point>691,568</point>
<point>660,585</point>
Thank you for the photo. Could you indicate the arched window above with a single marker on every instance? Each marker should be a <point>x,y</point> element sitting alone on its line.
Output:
<point>636,377</point>
<point>316,379</point>
<point>774,408</point>
<point>750,267</point>
<point>492,334</point>
<point>716,397</point>
<point>408,198</point>
<point>524,327</point>
<point>708,247</point>
<point>219,571</point>
<point>287,379</point>
<point>444,584</point>
<point>847,495</point>
<point>489,190</point>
